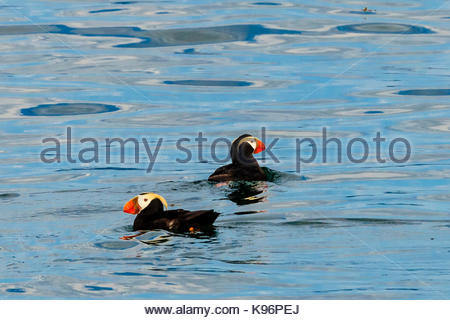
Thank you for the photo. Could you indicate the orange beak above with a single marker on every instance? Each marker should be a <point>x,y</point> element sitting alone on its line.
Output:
<point>132,206</point>
<point>259,146</point>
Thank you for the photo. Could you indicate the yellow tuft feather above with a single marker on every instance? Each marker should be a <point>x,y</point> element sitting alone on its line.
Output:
<point>157,196</point>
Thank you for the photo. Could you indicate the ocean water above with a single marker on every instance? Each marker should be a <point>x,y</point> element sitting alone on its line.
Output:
<point>161,71</point>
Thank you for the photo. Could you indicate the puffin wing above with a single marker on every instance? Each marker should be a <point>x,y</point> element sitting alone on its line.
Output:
<point>223,173</point>
<point>200,217</point>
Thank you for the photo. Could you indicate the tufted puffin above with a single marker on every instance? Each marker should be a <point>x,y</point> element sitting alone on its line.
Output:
<point>243,165</point>
<point>150,214</point>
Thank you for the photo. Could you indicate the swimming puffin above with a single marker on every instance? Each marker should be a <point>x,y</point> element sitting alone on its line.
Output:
<point>243,165</point>
<point>150,214</point>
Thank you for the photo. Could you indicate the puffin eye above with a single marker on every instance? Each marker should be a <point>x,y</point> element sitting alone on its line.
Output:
<point>145,199</point>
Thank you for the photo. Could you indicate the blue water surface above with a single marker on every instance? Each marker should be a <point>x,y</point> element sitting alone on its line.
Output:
<point>160,71</point>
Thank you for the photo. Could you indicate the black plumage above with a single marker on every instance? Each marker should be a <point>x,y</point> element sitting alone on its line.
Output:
<point>243,165</point>
<point>154,217</point>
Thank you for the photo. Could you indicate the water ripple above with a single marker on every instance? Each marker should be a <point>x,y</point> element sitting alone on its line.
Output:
<point>116,245</point>
<point>9,195</point>
<point>156,38</point>
<point>424,92</point>
<point>391,28</point>
<point>68,109</point>
<point>209,83</point>
<point>105,10</point>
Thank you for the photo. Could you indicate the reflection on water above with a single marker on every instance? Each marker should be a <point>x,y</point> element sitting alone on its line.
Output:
<point>149,69</point>
<point>5,196</point>
<point>248,212</point>
<point>105,10</point>
<point>266,3</point>
<point>156,38</point>
<point>192,51</point>
<point>68,109</point>
<point>363,12</point>
<point>373,112</point>
<point>425,92</point>
<point>209,83</point>
<point>159,237</point>
<point>395,28</point>
<point>98,288</point>
<point>115,245</point>
<point>247,192</point>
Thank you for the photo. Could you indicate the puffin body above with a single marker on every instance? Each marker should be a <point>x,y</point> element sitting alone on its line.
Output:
<point>150,214</point>
<point>243,166</point>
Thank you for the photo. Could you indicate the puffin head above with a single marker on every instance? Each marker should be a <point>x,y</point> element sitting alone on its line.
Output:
<point>243,148</point>
<point>145,201</point>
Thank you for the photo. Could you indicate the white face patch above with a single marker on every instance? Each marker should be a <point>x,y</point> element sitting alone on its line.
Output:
<point>250,140</point>
<point>144,200</point>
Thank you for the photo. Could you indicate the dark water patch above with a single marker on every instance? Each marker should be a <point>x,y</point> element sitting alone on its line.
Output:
<point>363,12</point>
<point>358,195</point>
<point>125,2</point>
<point>121,229</point>
<point>15,290</point>
<point>377,221</point>
<point>402,289</point>
<point>424,92</point>
<point>398,204</point>
<point>105,10</point>
<point>250,261</point>
<point>187,51</point>
<point>341,290</point>
<point>209,83</point>
<point>395,192</point>
<point>192,51</point>
<point>132,274</point>
<point>281,177</point>
<point>390,28</point>
<point>162,12</point>
<point>115,245</point>
<point>101,169</point>
<point>69,190</point>
<point>373,112</point>
<point>246,192</point>
<point>98,288</point>
<point>266,4</point>
<point>158,275</point>
<point>32,29</point>
<point>156,38</point>
<point>68,109</point>
<point>104,260</point>
<point>239,213</point>
<point>9,195</point>
<point>312,223</point>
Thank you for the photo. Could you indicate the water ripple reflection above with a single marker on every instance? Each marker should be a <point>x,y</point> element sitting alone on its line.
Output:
<point>156,38</point>
<point>394,28</point>
<point>424,92</point>
<point>68,109</point>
